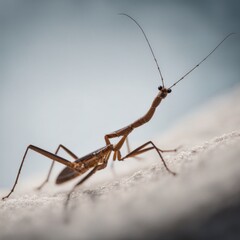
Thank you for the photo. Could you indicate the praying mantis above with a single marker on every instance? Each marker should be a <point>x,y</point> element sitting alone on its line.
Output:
<point>98,159</point>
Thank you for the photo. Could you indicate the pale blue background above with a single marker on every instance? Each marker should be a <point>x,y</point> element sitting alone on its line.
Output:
<point>72,71</point>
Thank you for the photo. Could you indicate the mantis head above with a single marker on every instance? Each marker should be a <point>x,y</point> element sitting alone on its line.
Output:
<point>164,91</point>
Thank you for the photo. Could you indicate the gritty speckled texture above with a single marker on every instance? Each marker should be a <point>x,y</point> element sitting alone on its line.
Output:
<point>201,202</point>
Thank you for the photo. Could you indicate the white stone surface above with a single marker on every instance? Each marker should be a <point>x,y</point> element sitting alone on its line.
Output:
<point>201,202</point>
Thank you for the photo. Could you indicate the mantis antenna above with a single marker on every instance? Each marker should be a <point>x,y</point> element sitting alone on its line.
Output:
<point>148,45</point>
<point>156,59</point>
<point>201,60</point>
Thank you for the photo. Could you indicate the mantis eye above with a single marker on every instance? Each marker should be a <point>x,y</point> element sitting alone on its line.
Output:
<point>160,88</point>
<point>169,90</point>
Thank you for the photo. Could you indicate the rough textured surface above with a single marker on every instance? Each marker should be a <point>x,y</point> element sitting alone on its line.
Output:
<point>201,202</point>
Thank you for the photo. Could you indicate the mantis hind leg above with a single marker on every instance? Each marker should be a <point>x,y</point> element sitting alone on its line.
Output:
<point>45,153</point>
<point>95,169</point>
<point>99,166</point>
<point>51,167</point>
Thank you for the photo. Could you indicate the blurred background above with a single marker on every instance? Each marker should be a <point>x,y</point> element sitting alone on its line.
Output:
<point>73,71</point>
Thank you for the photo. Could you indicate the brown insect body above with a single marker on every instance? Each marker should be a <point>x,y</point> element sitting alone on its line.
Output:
<point>98,159</point>
<point>144,119</point>
<point>80,166</point>
<point>148,116</point>
<point>101,156</point>
<point>163,92</point>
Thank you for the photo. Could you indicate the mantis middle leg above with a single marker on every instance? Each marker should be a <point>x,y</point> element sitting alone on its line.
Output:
<point>143,148</point>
